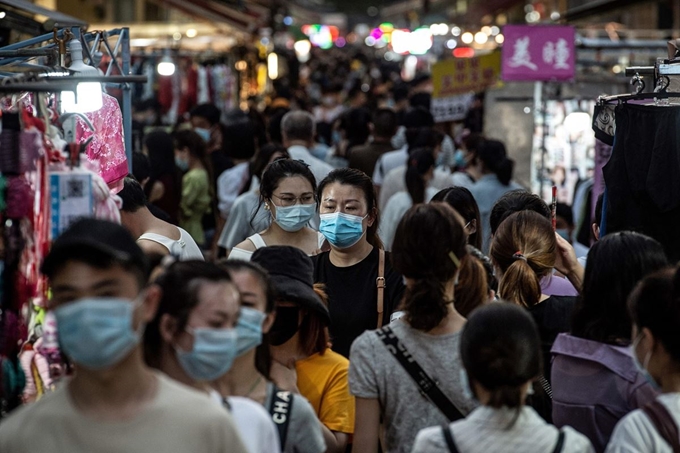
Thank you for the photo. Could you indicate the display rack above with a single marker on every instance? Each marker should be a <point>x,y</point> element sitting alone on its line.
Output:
<point>114,44</point>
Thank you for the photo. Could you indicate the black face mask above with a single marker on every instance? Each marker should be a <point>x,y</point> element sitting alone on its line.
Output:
<point>286,325</point>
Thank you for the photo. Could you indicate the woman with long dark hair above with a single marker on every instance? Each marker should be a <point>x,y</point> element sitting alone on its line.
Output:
<point>351,269</point>
<point>461,199</point>
<point>428,249</point>
<point>593,368</point>
<point>164,188</point>
<point>496,170</point>
<point>654,307</point>
<point>419,172</point>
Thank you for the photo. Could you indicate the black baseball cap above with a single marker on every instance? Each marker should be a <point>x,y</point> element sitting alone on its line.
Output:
<point>292,274</point>
<point>93,240</point>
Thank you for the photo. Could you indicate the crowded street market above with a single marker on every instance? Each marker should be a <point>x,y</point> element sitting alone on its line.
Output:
<point>339,226</point>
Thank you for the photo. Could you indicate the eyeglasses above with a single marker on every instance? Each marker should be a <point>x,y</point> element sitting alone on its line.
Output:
<point>291,201</point>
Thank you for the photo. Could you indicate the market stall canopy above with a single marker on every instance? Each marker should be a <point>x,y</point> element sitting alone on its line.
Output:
<point>246,18</point>
<point>52,18</point>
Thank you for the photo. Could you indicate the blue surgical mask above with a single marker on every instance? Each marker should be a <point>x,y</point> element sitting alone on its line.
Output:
<point>459,157</point>
<point>294,218</point>
<point>97,333</point>
<point>212,355</point>
<point>181,163</point>
<point>249,330</point>
<point>342,230</point>
<point>642,368</point>
<point>204,133</point>
<point>564,233</point>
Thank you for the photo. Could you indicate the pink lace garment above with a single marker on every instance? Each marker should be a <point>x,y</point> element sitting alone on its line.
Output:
<point>107,150</point>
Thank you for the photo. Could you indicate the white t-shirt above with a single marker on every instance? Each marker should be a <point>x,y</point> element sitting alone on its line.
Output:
<point>229,185</point>
<point>319,168</point>
<point>254,424</point>
<point>486,430</point>
<point>636,433</point>
<point>183,249</point>
<point>178,420</point>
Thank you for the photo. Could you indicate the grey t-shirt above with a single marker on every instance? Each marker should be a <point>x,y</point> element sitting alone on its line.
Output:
<point>375,373</point>
<point>304,428</point>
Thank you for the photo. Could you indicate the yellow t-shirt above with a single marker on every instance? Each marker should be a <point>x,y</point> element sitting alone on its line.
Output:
<point>322,379</point>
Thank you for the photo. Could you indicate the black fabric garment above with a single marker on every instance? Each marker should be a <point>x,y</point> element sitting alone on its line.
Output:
<point>353,296</point>
<point>643,174</point>
<point>553,317</point>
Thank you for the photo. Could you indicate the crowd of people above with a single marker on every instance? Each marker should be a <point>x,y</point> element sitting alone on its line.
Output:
<point>338,278</point>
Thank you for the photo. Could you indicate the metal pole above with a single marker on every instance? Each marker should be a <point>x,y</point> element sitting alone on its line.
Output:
<point>127,96</point>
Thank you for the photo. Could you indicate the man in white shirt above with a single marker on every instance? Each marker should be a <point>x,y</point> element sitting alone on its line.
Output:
<point>114,402</point>
<point>153,234</point>
<point>297,129</point>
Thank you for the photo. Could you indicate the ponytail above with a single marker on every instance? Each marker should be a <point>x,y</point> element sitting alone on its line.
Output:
<point>493,155</point>
<point>424,304</point>
<point>520,284</point>
<point>524,249</point>
<point>419,163</point>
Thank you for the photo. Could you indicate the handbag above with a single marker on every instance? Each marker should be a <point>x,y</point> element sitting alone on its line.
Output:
<point>425,383</point>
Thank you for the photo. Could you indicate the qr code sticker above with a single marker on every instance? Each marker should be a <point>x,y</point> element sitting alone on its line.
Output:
<point>75,188</point>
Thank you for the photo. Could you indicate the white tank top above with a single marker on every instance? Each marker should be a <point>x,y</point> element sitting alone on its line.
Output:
<point>258,242</point>
<point>183,249</point>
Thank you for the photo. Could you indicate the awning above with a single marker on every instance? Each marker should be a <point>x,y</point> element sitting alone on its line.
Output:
<point>246,20</point>
<point>61,20</point>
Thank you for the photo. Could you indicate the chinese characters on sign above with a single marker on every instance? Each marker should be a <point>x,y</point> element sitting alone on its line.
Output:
<point>536,53</point>
<point>455,82</point>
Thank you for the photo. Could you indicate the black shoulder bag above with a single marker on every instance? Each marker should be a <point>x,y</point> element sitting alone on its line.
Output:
<point>422,379</point>
<point>280,409</point>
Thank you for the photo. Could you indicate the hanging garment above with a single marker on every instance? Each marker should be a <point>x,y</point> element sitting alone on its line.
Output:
<point>642,174</point>
<point>107,148</point>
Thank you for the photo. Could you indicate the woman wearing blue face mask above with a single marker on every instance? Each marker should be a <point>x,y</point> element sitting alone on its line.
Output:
<point>287,192</point>
<point>351,270</point>
<point>193,339</point>
<point>654,307</point>
<point>197,190</point>
<point>250,376</point>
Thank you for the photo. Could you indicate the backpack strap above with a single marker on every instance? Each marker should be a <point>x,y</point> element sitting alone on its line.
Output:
<point>560,443</point>
<point>380,284</point>
<point>426,385</point>
<point>664,423</point>
<point>280,410</point>
<point>448,438</point>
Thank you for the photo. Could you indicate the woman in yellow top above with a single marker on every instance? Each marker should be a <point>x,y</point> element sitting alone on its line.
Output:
<point>197,192</point>
<point>302,361</point>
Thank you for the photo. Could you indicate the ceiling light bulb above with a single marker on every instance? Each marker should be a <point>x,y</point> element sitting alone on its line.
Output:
<point>166,67</point>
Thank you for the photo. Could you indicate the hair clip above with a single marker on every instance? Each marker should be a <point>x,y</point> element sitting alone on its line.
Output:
<point>519,256</point>
<point>455,259</point>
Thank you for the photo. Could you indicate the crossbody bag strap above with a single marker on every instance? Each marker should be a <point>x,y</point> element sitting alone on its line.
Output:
<point>664,423</point>
<point>280,410</point>
<point>560,443</point>
<point>421,378</point>
<point>380,284</point>
<point>448,438</point>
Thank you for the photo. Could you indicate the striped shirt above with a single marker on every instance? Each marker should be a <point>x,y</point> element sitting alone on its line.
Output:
<point>485,430</point>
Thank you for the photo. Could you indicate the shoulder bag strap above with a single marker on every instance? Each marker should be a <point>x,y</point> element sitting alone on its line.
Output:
<point>448,438</point>
<point>425,383</point>
<point>560,443</point>
<point>664,423</point>
<point>380,284</point>
<point>280,409</point>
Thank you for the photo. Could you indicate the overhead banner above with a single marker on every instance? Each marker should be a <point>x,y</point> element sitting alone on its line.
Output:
<point>464,75</point>
<point>455,82</point>
<point>539,52</point>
